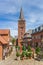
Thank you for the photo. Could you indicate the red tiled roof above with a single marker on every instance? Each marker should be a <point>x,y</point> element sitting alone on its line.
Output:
<point>4,38</point>
<point>4,31</point>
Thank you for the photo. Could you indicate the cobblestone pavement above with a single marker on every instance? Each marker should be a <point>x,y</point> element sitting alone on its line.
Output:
<point>10,61</point>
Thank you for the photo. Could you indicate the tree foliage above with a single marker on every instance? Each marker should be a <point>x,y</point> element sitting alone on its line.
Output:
<point>13,40</point>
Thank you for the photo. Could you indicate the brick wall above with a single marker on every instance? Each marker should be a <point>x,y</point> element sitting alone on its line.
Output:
<point>21,30</point>
<point>1,51</point>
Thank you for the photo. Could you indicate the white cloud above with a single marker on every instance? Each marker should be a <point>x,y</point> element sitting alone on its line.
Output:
<point>10,25</point>
<point>14,33</point>
<point>10,6</point>
<point>32,15</point>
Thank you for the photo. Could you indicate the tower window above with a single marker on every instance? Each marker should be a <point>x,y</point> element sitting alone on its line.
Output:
<point>35,30</point>
<point>21,27</point>
<point>21,33</point>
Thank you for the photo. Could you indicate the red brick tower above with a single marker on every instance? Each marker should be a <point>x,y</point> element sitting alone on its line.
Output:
<point>21,27</point>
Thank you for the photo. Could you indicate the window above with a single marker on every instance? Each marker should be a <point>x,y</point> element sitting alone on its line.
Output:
<point>38,28</point>
<point>21,33</point>
<point>21,28</point>
<point>41,36</point>
<point>35,30</point>
<point>33,37</point>
<point>36,37</point>
<point>3,34</point>
<point>32,31</point>
<point>41,28</point>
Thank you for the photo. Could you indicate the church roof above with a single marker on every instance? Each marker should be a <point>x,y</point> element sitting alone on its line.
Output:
<point>21,15</point>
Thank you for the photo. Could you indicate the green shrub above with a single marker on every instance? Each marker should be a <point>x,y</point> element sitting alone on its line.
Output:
<point>17,54</point>
<point>27,55</point>
<point>23,54</point>
<point>29,49</point>
<point>37,50</point>
<point>24,48</point>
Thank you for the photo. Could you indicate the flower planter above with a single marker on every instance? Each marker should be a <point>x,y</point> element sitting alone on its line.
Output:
<point>26,57</point>
<point>22,58</point>
<point>23,55</point>
<point>30,57</point>
<point>18,58</point>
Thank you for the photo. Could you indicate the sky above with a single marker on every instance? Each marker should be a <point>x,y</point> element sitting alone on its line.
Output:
<point>10,11</point>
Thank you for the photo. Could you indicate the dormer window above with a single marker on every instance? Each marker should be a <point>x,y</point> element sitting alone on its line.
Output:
<point>38,28</point>
<point>35,30</point>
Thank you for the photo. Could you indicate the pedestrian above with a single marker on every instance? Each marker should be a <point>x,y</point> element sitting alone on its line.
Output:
<point>4,54</point>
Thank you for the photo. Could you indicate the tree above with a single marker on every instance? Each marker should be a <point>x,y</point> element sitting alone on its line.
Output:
<point>13,40</point>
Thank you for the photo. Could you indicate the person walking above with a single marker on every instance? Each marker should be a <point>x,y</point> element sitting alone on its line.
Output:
<point>4,54</point>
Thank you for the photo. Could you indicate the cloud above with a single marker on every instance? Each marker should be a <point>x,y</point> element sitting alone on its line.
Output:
<point>10,6</point>
<point>9,14</point>
<point>10,25</point>
<point>14,33</point>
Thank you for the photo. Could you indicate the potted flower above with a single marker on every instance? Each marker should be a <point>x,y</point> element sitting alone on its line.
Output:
<point>22,55</point>
<point>24,48</point>
<point>30,55</point>
<point>29,49</point>
<point>37,51</point>
<point>17,55</point>
<point>27,55</point>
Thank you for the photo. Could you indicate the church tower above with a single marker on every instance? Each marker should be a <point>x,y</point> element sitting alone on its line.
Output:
<point>21,27</point>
